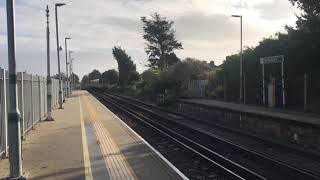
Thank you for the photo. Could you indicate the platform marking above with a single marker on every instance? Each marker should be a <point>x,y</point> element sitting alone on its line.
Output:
<point>86,157</point>
<point>116,163</point>
<point>184,177</point>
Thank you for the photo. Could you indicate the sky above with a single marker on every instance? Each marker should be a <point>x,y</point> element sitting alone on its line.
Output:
<point>205,28</point>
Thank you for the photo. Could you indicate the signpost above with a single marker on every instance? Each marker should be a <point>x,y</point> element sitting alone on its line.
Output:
<point>273,60</point>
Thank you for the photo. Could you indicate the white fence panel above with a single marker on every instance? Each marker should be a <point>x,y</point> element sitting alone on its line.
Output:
<point>32,102</point>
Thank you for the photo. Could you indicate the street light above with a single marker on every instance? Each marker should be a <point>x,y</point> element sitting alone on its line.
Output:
<point>58,53</point>
<point>67,79</point>
<point>241,76</point>
<point>70,70</point>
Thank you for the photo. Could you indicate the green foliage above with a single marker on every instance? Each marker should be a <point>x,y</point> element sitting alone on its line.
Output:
<point>74,77</point>
<point>95,74</point>
<point>174,80</point>
<point>63,76</point>
<point>133,76</point>
<point>161,41</point>
<point>85,80</point>
<point>309,21</point>
<point>126,67</point>
<point>109,77</point>
<point>301,56</point>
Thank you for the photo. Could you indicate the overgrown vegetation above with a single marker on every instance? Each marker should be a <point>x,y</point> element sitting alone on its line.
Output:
<point>168,75</point>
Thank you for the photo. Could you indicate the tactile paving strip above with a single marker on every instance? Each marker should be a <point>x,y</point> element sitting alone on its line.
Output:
<point>115,161</point>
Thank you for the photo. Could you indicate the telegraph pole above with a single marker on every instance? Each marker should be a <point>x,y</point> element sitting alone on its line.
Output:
<point>49,82</point>
<point>14,116</point>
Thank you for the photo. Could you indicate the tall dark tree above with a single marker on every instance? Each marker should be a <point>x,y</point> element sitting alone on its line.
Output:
<point>95,74</point>
<point>85,80</point>
<point>63,76</point>
<point>126,67</point>
<point>74,77</point>
<point>110,77</point>
<point>309,21</point>
<point>161,41</point>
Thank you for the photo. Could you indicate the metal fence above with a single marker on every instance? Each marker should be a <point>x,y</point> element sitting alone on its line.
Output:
<point>32,102</point>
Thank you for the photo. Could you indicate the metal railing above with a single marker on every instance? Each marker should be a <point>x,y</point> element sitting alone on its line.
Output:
<point>32,102</point>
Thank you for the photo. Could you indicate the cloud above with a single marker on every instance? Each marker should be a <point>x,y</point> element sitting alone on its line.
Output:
<point>275,10</point>
<point>204,27</point>
<point>214,36</point>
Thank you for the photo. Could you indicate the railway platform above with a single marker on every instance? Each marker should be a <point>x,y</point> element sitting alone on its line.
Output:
<point>294,116</point>
<point>87,141</point>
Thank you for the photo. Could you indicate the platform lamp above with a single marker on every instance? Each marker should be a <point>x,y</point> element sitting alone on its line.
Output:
<point>241,71</point>
<point>70,70</point>
<point>58,53</point>
<point>67,77</point>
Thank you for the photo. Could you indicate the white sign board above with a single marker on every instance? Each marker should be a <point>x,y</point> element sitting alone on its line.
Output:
<point>273,59</point>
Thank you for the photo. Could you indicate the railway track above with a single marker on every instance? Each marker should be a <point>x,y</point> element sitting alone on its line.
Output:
<point>236,161</point>
<point>297,156</point>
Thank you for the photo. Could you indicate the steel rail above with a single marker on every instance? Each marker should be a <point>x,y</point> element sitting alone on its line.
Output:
<point>285,166</point>
<point>243,147</point>
<point>233,169</point>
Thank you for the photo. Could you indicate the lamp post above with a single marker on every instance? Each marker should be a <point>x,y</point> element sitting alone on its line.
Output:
<point>14,116</point>
<point>241,73</point>
<point>58,53</point>
<point>49,82</point>
<point>71,70</point>
<point>67,79</point>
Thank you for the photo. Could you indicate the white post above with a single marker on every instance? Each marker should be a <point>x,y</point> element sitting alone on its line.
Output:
<point>70,73</point>
<point>22,104</point>
<point>263,86</point>
<point>244,90</point>
<point>241,61</point>
<point>39,85</point>
<point>305,92</point>
<point>5,113</point>
<point>32,103</point>
<point>283,90</point>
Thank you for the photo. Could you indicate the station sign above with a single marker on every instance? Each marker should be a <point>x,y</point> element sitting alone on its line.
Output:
<point>271,60</point>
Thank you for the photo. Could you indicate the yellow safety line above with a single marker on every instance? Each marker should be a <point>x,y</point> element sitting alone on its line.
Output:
<point>86,158</point>
<point>108,147</point>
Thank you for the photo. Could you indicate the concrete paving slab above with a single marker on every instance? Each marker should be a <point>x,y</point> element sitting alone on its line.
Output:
<point>87,141</point>
<point>306,118</point>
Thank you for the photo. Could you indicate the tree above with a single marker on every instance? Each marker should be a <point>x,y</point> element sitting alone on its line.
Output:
<point>85,80</point>
<point>63,76</point>
<point>110,77</point>
<point>95,74</point>
<point>310,20</point>
<point>171,59</point>
<point>134,76</point>
<point>161,41</point>
<point>74,77</point>
<point>126,67</point>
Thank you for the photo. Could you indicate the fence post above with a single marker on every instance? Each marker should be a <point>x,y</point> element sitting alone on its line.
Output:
<point>22,105</point>
<point>32,103</point>
<point>305,92</point>
<point>244,89</point>
<point>5,114</point>
<point>225,88</point>
<point>39,87</point>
